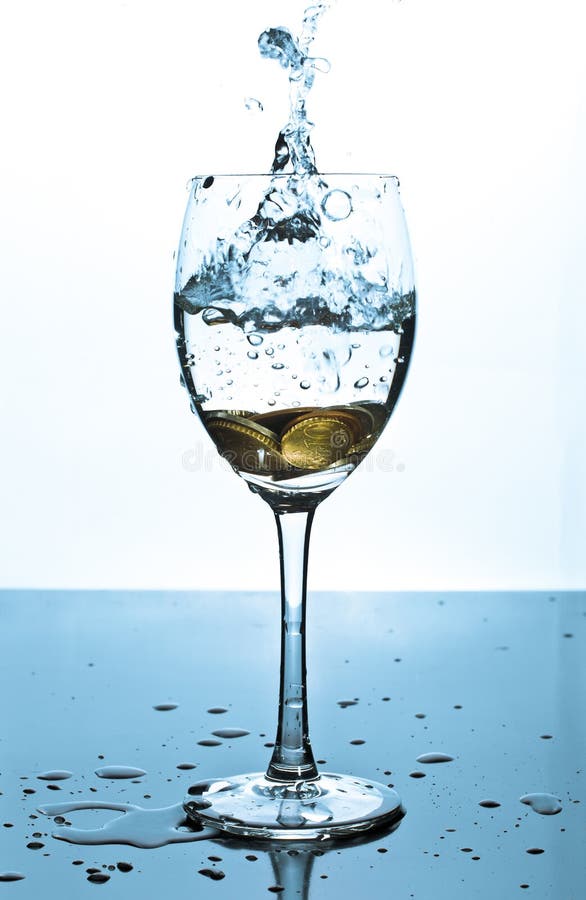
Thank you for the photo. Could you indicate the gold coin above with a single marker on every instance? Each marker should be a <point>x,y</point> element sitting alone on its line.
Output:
<point>278,419</point>
<point>316,441</point>
<point>247,447</point>
<point>227,413</point>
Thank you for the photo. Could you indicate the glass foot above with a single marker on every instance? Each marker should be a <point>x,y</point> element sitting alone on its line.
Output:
<point>329,807</point>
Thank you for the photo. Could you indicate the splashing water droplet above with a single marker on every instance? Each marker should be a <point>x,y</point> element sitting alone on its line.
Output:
<point>253,104</point>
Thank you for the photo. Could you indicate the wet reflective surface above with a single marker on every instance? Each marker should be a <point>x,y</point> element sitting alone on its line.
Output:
<point>114,700</point>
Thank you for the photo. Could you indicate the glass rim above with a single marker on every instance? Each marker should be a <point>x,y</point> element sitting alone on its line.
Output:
<point>226,175</point>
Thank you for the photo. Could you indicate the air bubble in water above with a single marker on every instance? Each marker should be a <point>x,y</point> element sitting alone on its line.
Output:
<point>336,205</point>
<point>278,366</point>
<point>361,383</point>
<point>252,354</point>
<point>255,339</point>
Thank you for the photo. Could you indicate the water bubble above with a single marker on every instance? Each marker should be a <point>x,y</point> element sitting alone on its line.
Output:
<point>165,707</point>
<point>271,402</point>
<point>357,742</point>
<point>35,845</point>
<point>217,710</point>
<point>385,351</point>
<point>255,339</point>
<point>11,876</point>
<point>489,804</point>
<point>98,878</point>
<point>304,385</point>
<point>344,703</point>
<point>336,205</point>
<point>362,382</point>
<point>278,365</point>
<point>535,851</point>
<point>186,766</point>
<point>252,354</point>
<point>416,774</point>
<point>269,351</point>
<point>294,702</point>
<point>209,743</point>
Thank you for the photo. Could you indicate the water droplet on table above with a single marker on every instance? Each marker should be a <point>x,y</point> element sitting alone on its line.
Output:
<point>214,874</point>
<point>230,733</point>
<point>119,772</point>
<point>430,758</point>
<point>544,804</point>
<point>55,775</point>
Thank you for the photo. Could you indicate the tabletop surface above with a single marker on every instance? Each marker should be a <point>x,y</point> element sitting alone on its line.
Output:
<point>495,680</point>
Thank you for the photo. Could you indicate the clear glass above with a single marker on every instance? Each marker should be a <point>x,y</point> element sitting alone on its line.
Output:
<point>295,313</point>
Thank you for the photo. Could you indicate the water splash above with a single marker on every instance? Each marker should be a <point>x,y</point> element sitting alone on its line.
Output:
<point>293,148</point>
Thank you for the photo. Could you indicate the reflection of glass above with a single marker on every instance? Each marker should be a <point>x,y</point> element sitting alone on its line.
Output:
<point>292,862</point>
<point>294,310</point>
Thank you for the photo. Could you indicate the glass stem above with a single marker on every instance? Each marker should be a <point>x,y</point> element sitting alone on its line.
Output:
<point>292,758</point>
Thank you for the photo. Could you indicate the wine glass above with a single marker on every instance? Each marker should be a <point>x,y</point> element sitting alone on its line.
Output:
<point>294,312</point>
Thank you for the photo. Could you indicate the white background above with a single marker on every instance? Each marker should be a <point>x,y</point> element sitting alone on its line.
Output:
<point>109,107</point>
